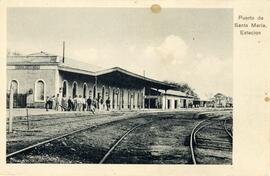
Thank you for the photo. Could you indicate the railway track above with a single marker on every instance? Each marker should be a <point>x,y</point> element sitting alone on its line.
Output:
<point>92,128</point>
<point>120,140</point>
<point>84,151</point>
<point>208,143</point>
<point>51,140</point>
<point>227,129</point>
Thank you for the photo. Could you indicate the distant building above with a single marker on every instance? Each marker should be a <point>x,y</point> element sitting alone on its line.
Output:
<point>168,99</point>
<point>221,100</point>
<point>203,103</point>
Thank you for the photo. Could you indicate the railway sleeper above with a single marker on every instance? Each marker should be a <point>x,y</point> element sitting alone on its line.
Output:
<point>215,147</point>
<point>200,139</point>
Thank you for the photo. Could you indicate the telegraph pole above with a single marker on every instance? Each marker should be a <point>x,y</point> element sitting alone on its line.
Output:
<point>148,91</point>
<point>144,90</point>
<point>63,51</point>
<point>10,109</point>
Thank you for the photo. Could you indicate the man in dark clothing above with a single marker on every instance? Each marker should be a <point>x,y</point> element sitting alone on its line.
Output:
<point>89,103</point>
<point>70,104</point>
<point>47,104</point>
<point>108,102</point>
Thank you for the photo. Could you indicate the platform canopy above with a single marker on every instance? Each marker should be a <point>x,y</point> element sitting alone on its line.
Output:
<point>113,76</point>
<point>122,77</point>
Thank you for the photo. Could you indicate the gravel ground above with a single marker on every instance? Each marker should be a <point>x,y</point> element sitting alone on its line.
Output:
<point>85,147</point>
<point>42,129</point>
<point>214,145</point>
<point>164,141</point>
<point>161,142</point>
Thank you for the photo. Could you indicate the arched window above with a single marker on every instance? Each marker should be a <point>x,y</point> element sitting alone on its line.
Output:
<point>40,90</point>
<point>15,86</point>
<point>65,87</point>
<point>74,89</point>
<point>84,90</point>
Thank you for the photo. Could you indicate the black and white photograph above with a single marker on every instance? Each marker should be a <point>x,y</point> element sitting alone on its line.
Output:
<point>119,85</point>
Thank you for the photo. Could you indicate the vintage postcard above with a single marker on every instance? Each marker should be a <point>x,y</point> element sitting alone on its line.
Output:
<point>135,87</point>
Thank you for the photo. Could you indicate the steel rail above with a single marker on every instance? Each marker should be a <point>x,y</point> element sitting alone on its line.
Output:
<point>59,137</point>
<point>70,133</point>
<point>195,130</point>
<point>198,129</point>
<point>191,140</point>
<point>46,141</point>
<point>226,129</point>
<point>119,141</point>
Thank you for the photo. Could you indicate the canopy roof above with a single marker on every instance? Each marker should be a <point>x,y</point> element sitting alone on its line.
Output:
<point>115,75</point>
<point>122,76</point>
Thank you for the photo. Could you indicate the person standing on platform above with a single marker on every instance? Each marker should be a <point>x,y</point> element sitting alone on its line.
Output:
<point>57,101</point>
<point>79,102</point>
<point>108,102</point>
<point>101,104</point>
<point>66,103</point>
<point>63,106</point>
<point>98,103</point>
<point>75,103</point>
<point>89,102</point>
<point>94,103</point>
<point>70,104</point>
<point>83,104</point>
<point>53,102</point>
<point>93,106</point>
<point>47,104</point>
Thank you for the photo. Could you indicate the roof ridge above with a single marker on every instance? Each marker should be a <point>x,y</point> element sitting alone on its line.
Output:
<point>41,53</point>
<point>78,61</point>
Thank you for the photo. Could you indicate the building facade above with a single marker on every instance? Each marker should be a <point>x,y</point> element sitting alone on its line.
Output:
<point>39,75</point>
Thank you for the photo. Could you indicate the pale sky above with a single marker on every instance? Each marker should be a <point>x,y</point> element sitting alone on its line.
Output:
<point>182,45</point>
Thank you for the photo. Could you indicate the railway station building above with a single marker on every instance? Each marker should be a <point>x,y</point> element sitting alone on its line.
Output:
<point>38,75</point>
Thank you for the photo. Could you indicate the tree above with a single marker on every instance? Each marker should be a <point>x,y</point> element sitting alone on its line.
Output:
<point>183,87</point>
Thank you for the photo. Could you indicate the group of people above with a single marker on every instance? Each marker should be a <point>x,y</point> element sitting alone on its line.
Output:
<point>78,103</point>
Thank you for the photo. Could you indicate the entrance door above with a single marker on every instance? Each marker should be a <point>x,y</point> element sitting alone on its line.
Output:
<point>113,99</point>
<point>175,104</point>
<point>168,104</point>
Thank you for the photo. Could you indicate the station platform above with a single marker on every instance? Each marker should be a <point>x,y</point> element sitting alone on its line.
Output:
<point>22,112</point>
